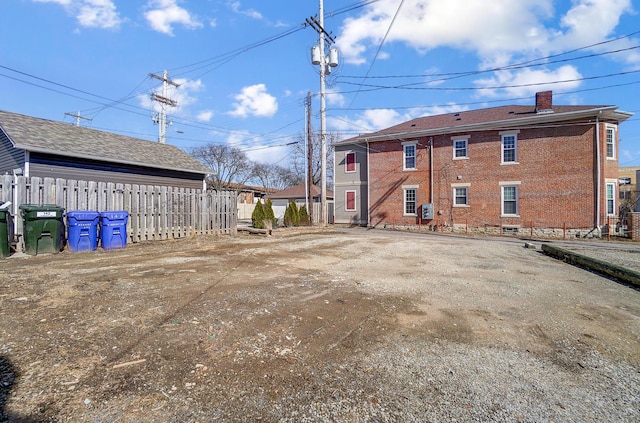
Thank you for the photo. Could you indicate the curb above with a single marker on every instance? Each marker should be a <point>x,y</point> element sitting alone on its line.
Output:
<point>598,266</point>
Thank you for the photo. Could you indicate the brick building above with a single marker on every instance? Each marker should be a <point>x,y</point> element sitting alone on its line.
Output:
<point>509,168</point>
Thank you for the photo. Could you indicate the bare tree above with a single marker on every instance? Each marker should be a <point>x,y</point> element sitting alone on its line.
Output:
<point>299,163</point>
<point>228,164</point>
<point>275,177</point>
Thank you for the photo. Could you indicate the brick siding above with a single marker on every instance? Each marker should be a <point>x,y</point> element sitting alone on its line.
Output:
<point>556,171</point>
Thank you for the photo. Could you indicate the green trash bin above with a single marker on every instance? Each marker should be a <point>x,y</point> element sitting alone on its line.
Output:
<point>43,228</point>
<point>6,229</point>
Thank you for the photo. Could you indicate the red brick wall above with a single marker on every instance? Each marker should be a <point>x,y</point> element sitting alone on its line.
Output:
<point>556,171</point>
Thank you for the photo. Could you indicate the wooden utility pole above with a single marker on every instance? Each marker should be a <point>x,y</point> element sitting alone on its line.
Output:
<point>310,205</point>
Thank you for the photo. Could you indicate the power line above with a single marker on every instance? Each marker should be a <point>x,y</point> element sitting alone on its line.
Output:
<point>454,75</point>
<point>412,86</point>
<point>375,57</point>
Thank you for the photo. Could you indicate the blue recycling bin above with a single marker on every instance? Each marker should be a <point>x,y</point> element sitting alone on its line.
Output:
<point>113,229</point>
<point>82,230</point>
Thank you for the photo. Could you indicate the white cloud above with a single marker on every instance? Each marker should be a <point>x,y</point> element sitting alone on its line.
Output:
<point>520,83</point>
<point>368,121</point>
<point>99,14</point>
<point>252,13</point>
<point>60,2</point>
<point>498,33</point>
<point>185,95</point>
<point>376,119</point>
<point>591,21</point>
<point>205,116</point>
<point>254,101</point>
<point>164,14</point>
<point>334,97</point>
<point>91,13</point>
<point>479,25</point>
<point>256,148</point>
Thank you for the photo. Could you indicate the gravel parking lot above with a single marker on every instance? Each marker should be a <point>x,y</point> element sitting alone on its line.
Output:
<point>308,326</point>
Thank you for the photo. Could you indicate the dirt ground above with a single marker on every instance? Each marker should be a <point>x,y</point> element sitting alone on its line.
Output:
<point>329,325</point>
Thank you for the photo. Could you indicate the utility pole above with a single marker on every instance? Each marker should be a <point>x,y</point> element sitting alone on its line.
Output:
<point>78,117</point>
<point>310,204</point>
<point>326,63</point>
<point>164,101</point>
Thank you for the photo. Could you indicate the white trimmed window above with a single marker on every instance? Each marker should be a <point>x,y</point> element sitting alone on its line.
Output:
<point>409,156</point>
<point>350,162</point>
<point>509,198</point>
<point>350,201</point>
<point>509,147</point>
<point>410,201</point>
<point>460,195</point>
<point>611,142</point>
<point>460,147</point>
<point>611,198</point>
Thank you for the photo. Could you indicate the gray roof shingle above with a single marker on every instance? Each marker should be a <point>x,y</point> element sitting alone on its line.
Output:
<point>51,137</point>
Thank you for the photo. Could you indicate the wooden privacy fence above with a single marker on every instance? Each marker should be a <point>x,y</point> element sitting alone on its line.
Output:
<point>155,212</point>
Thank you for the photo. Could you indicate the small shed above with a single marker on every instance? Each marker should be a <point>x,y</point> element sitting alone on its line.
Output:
<point>33,147</point>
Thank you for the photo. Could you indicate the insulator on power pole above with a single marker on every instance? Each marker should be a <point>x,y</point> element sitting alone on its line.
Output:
<point>333,57</point>
<point>315,55</point>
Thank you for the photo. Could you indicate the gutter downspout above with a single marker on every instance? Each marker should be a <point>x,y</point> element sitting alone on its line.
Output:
<point>431,170</point>
<point>368,187</point>
<point>599,172</point>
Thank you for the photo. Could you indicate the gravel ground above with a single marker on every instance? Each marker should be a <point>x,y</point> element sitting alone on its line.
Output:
<point>336,325</point>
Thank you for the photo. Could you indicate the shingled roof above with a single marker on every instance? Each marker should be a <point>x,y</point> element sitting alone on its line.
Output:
<point>299,191</point>
<point>493,118</point>
<point>63,139</point>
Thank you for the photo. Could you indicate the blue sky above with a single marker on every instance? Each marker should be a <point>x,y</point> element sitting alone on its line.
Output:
<point>244,67</point>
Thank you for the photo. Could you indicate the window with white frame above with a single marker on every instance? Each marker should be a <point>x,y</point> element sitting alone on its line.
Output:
<point>611,198</point>
<point>509,200</point>
<point>350,201</point>
<point>460,195</point>
<point>410,201</point>
<point>460,147</point>
<point>350,162</point>
<point>409,154</point>
<point>611,142</point>
<point>509,147</point>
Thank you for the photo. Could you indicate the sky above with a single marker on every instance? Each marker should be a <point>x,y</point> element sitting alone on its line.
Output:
<point>243,68</point>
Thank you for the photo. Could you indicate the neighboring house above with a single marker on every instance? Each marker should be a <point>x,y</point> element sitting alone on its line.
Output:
<point>515,167</point>
<point>45,148</point>
<point>248,196</point>
<point>298,194</point>
<point>628,182</point>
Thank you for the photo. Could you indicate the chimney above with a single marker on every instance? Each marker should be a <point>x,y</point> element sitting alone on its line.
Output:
<point>544,100</point>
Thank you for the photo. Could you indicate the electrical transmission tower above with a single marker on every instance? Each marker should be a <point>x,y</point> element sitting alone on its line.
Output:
<point>78,117</point>
<point>161,118</point>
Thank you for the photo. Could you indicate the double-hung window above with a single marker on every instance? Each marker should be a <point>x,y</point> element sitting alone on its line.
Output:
<point>611,198</point>
<point>509,147</point>
<point>611,142</point>
<point>350,162</point>
<point>460,147</point>
<point>409,153</point>
<point>509,198</point>
<point>460,195</point>
<point>410,202</point>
